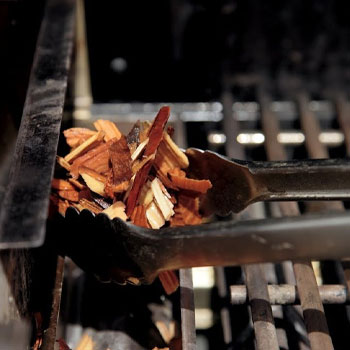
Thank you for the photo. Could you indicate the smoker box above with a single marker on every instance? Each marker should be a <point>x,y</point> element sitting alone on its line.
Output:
<point>246,79</point>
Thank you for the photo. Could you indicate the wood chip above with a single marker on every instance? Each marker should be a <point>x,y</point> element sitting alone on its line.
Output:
<point>154,216</point>
<point>96,159</point>
<point>76,136</point>
<point>63,163</point>
<point>139,149</point>
<point>95,181</point>
<point>126,195</point>
<point>90,143</point>
<point>99,163</point>
<point>72,195</point>
<point>156,130</point>
<point>59,184</point>
<point>85,194</point>
<point>165,180</point>
<point>86,343</point>
<point>163,202</point>
<point>57,205</point>
<point>169,156</point>
<point>62,344</point>
<point>116,210</point>
<point>155,137</point>
<point>138,164</point>
<point>169,281</point>
<point>138,216</point>
<point>186,211</point>
<point>167,330</point>
<point>144,131</point>
<point>146,194</point>
<point>201,186</point>
<point>177,172</point>
<point>140,168</point>
<point>109,128</point>
<point>84,170</point>
<point>111,190</point>
<point>120,159</point>
<point>133,137</point>
<point>76,183</point>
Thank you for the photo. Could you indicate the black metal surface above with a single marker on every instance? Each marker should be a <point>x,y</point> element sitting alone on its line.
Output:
<point>236,183</point>
<point>115,250</point>
<point>24,211</point>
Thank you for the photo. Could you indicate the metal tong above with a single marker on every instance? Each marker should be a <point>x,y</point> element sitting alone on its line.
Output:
<point>237,183</point>
<point>119,251</point>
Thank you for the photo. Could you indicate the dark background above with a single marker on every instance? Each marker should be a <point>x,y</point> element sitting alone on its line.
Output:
<point>182,50</point>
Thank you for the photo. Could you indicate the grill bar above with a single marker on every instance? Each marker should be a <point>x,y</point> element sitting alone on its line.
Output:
<point>317,150</point>
<point>188,330</point>
<point>49,337</point>
<point>287,294</point>
<point>261,311</point>
<point>311,129</point>
<point>343,108</point>
<point>264,326</point>
<point>188,322</point>
<point>306,281</point>
<point>343,112</point>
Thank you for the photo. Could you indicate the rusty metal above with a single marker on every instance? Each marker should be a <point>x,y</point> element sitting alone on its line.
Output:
<point>24,210</point>
<point>287,294</point>
<point>49,338</point>
<point>315,320</point>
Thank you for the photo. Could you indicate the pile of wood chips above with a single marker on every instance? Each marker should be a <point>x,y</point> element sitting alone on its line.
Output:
<point>138,177</point>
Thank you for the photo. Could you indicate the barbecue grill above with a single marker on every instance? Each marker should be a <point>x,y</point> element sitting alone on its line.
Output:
<point>285,97</point>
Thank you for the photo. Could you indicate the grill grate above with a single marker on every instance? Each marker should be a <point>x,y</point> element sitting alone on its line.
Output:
<point>304,278</point>
<point>285,304</point>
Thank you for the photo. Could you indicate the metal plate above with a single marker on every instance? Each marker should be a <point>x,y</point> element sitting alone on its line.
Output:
<point>24,211</point>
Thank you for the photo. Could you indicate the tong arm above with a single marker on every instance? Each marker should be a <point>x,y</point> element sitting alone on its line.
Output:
<point>242,242</point>
<point>236,183</point>
<point>116,250</point>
